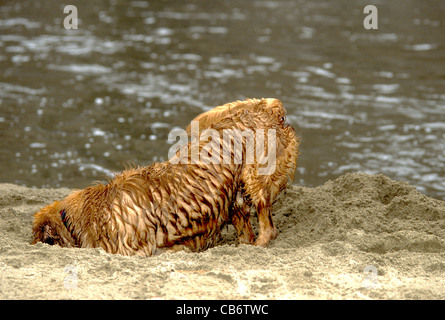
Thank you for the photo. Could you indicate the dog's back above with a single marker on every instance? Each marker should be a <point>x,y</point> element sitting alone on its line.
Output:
<point>144,210</point>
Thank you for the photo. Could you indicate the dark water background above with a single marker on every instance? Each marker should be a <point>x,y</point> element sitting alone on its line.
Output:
<point>76,104</point>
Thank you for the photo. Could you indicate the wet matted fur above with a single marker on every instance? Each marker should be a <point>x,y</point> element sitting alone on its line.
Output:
<point>147,210</point>
<point>256,189</point>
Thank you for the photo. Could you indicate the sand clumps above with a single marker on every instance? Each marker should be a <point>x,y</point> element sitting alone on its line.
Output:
<point>371,212</point>
<point>358,237</point>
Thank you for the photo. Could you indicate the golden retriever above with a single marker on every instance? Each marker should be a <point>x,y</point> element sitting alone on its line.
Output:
<point>259,190</point>
<point>180,203</point>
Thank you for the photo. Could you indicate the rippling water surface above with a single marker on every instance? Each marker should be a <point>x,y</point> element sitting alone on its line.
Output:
<point>75,105</point>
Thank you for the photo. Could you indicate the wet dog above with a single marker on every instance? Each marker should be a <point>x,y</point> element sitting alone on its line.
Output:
<point>259,190</point>
<point>181,203</point>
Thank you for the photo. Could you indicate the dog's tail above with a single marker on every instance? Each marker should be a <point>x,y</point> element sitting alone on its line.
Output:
<point>49,226</point>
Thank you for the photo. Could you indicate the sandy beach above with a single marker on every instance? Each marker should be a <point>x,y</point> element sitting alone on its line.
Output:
<point>358,237</point>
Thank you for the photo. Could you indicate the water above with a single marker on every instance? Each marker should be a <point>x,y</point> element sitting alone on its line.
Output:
<point>76,105</point>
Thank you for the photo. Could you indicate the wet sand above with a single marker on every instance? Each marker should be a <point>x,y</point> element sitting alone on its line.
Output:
<point>358,237</point>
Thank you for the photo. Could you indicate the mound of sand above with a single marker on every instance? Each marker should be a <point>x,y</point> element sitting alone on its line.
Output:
<point>358,237</point>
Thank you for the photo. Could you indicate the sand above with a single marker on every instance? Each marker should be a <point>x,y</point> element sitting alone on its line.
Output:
<point>358,237</point>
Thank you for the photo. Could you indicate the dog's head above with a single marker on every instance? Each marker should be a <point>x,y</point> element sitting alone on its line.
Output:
<point>49,226</point>
<point>273,107</point>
